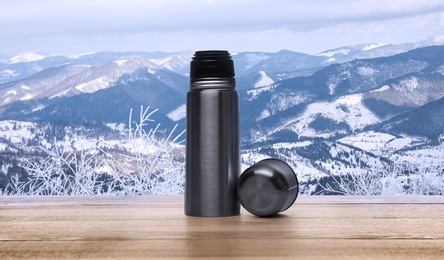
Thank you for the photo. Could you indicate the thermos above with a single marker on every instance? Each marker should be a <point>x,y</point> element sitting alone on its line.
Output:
<point>214,186</point>
<point>212,137</point>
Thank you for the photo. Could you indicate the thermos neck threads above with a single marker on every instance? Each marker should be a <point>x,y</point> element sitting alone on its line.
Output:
<point>212,66</point>
<point>212,83</point>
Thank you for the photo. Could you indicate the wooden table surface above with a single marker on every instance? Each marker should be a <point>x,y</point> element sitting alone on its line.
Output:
<point>316,227</point>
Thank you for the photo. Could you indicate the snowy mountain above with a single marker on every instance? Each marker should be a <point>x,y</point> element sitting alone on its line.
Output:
<point>376,50</point>
<point>280,62</point>
<point>283,64</point>
<point>343,98</point>
<point>104,94</point>
<point>69,80</point>
<point>351,52</point>
<point>326,118</point>
<point>26,57</point>
<point>336,99</point>
<point>27,64</point>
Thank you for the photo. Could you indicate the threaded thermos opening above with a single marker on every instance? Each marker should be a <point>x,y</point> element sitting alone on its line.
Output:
<point>211,64</point>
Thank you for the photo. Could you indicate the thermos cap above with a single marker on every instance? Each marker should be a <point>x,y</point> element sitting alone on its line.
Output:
<point>268,187</point>
<point>211,64</point>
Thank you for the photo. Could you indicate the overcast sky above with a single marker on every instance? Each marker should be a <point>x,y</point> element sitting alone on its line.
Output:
<point>311,26</point>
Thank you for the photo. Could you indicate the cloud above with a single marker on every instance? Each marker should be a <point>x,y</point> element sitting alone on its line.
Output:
<point>103,23</point>
<point>53,16</point>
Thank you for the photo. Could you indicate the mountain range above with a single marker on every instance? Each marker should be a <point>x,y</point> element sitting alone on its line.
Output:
<point>347,97</point>
<point>275,86</point>
<point>281,91</point>
<point>342,108</point>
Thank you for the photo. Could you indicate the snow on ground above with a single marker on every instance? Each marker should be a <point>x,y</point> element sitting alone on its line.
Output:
<point>381,143</point>
<point>249,158</point>
<point>263,81</point>
<point>440,70</point>
<point>304,171</point>
<point>381,89</point>
<point>291,145</point>
<point>93,85</point>
<point>334,52</point>
<point>116,126</point>
<point>11,93</point>
<point>3,147</point>
<point>282,101</point>
<point>351,110</point>
<point>178,113</point>
<point>425,157</point>
<point>368,141</point>
<point>373,46</point>
<point>60,94</point>
<point>16,131</point>
<point>253,93</point>
<point>161,62</point>
<point>26,97</point>
<point>79,143</point>
<point>307,171</point>
<point>24,87</point>
<point>265,113</point>
<point>9,73</point>
<point>26,57</point>
<point>120,62</point>
<point>78,56</point>
<point>366,71</point>
<point>409,84</point>
<point>348,109</point>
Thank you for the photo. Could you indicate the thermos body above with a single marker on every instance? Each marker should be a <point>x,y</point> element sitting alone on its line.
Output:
<point>212,148</point>
<point>214,186</point>
<point>212,161</point>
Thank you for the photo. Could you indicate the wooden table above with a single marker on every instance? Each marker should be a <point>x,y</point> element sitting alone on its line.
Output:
<point>317,227</point>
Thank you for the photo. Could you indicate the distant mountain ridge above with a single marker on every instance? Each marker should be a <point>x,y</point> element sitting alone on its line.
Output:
<point>375,50</point>
<point>284,95</point>
<point>73,79</point>
<point>26,64</point>
<point>178,62</point>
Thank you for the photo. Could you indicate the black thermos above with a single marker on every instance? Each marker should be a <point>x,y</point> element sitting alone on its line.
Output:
<point>212,143</point>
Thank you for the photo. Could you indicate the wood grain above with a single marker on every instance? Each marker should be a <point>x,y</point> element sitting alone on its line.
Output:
<point>321,227</point>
